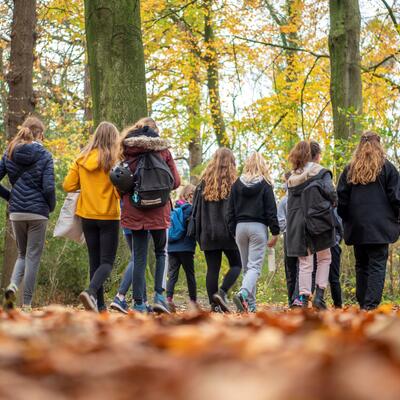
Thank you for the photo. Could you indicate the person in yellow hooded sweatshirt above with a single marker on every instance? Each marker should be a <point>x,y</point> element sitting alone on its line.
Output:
<point>98,206</point>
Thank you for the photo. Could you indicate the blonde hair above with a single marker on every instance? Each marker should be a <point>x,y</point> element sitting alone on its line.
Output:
<point>106,140</point>
<point>30,130</point>
<point>219,175</point>
<point>143,122</point>
<point>187,191</point>
<point>256,166</point>
<point>367,161</point>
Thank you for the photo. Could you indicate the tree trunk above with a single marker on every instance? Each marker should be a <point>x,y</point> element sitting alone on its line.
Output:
<point>211,61</point>
<point>20,100</point>
<point>116,61</point>
<point>194,121</point>
<point>88,111</point>
<point>344,49</point>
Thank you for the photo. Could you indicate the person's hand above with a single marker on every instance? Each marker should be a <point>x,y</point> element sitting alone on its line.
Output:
<point>272,242</point>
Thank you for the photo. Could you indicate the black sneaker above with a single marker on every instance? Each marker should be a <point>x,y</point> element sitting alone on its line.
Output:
<point>215,308</point>
<point>10,296</point>
<point>319,299</point>
<point>88,301</point>
<point>221,300</point>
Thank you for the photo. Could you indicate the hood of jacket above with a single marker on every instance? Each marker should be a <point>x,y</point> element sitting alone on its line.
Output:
<point>250,188</point>
<point>28,154</point>
<point>144,140</point>
<point>301,176</point>
<point>91,162</point>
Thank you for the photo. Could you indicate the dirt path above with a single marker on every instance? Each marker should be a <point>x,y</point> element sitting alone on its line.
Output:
<point>62,353</point>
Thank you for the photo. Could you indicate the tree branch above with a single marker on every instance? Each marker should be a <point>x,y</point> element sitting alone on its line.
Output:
<point>277,123</point>
<point>391,15</point>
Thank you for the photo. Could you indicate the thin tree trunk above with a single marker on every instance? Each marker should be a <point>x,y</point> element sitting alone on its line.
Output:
<point>116,61</point>
<point>211,61</point>
<point>20,100</point>
<point>87,94</point>
<point>344,49</point>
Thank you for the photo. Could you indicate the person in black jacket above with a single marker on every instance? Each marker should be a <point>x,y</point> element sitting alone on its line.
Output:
<point>310,222</point>
<point>369,204</point>
<point>30,170</point>
<point>210,206</point>
<point>252,209</point>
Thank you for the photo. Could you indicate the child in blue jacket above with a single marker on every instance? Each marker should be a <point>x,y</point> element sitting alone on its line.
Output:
<point>181,251</point>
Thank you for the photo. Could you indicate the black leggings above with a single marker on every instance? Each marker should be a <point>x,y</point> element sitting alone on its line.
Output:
<point>213,260</point>
<point>186,259</point>
<point>102,242</point>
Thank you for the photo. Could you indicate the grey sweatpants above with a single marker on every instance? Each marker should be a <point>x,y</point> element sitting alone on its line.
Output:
<point>251,238</point>
<point>30,237</point>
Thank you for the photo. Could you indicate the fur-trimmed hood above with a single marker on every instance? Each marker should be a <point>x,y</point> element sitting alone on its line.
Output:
<point>146,143</point>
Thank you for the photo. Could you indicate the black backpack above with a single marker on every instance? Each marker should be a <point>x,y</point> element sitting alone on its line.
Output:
<point>153,182</point>
<point>317,208</point>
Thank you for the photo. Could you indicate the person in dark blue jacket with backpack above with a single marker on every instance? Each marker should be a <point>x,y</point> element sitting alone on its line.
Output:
<point>181,248</point>
<point>30,170</point>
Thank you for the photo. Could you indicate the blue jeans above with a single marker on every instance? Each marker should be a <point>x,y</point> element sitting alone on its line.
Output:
<point>126,281</point>
<point>140,241</point>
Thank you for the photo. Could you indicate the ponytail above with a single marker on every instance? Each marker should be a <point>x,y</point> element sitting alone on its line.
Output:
<point>30,130</point>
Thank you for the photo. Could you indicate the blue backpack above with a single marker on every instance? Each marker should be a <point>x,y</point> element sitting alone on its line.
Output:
<point>177,229</point>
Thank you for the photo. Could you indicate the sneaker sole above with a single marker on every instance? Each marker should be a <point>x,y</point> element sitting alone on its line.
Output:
<point>87,302</point>
<point>117,307</point>
<point>238,303</point>
<point>218,299</point>
<point>160,309</point>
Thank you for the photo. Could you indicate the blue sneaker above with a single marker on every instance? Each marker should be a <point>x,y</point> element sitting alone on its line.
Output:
<point>160,304</point>
<point>241,302</point>
<point>119,305</point>
<point>139,308</point>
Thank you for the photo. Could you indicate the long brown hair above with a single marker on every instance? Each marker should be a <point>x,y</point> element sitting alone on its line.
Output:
<point>367,161</point>
<point>219,175</point>
<point>300,155</point>
<point>106,140</point>
<point>31,129</point>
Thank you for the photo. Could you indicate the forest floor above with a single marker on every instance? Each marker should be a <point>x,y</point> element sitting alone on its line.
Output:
<point>64,353</point>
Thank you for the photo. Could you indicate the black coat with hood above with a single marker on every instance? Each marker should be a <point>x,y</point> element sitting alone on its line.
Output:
<point>31,173</point>
<point>252,201</point>
<point>300,242</point>
<point>371,213</point>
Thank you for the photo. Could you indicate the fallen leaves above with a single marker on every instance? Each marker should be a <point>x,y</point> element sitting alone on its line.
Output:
<point>62,353</point>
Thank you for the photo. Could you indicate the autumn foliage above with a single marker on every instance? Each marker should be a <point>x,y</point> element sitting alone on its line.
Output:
<point>61,353</point>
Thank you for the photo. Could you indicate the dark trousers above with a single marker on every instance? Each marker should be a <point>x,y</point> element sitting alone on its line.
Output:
<point>139,257</point>
<point>291,272</point>
<point>102,242</point>
<point>371,262</point>
<point>186,259</point>
<point>213,260</point>
<point>334,276</point>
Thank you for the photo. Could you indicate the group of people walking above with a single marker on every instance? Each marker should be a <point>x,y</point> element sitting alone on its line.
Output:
<point>126,180</point>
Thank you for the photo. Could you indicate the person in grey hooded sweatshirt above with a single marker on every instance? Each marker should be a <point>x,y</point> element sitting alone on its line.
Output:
<point>252,209</point>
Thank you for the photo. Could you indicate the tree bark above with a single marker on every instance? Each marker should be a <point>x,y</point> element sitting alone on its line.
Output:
<point>344,49</point>
<point>116,61</point>
<point>20,100</point>
<point>212,65</point>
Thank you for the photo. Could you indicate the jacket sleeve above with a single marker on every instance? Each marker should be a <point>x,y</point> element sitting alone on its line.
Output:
<point>48,184</point>
<point>172,166</point>
<point>196,212</point>
<point>71,181</point>
<point>4,192</point>
<point>282,214</point>
<point>344,192</point>
<point>329,188</point>
<point>271,211</point>
<point>393,188</point>
<point>230,214</point>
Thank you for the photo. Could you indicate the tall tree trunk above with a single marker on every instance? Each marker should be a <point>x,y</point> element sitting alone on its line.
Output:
<point>344,49</point>
<point>116,61</point>
<point>87,95</point>
<point>211,61</point>
<point>194,121</point>
<point>20,100</point>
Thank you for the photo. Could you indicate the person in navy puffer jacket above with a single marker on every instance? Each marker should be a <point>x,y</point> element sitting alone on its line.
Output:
<point>30,170</point>
<point>181,252</point>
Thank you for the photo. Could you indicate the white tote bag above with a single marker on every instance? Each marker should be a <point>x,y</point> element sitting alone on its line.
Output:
<point>69,225</point>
